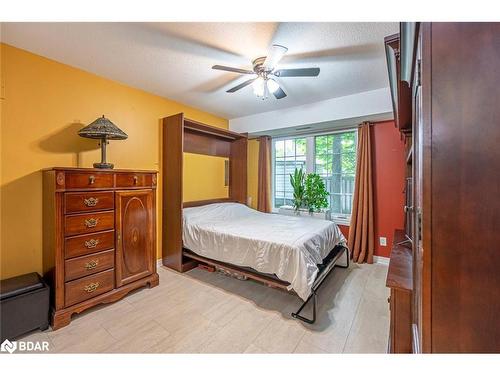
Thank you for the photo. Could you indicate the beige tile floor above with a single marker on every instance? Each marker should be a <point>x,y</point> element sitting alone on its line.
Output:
<point>203,312</point>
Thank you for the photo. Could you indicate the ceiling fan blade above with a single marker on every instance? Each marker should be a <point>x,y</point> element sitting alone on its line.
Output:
<point>304,72</point>
<point>274,56</point>
<point>279,94</point>
<point>241,85</point>
<point>230,69</point>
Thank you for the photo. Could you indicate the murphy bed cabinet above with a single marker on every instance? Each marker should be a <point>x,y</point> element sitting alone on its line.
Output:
<point>453,210</point>
<point>99,236</point>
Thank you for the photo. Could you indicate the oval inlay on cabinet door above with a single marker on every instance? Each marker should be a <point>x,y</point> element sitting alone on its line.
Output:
<point>135,219</point>
<point>134,248</point>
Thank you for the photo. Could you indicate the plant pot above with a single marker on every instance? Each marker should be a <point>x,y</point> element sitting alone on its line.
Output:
<point>290,211</point>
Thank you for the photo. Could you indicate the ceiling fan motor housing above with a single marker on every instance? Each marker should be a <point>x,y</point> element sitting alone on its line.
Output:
<point>258,65</point>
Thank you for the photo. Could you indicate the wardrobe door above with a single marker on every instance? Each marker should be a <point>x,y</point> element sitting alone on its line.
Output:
<point>134,235</point>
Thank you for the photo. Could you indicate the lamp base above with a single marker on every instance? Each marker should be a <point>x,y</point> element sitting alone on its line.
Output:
<point>104,165</point>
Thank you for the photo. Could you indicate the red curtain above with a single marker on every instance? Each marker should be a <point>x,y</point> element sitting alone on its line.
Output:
<point>264,184</point>
<point>361,231</point>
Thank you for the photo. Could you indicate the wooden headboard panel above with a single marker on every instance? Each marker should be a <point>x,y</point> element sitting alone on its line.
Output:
<point>208,201</point>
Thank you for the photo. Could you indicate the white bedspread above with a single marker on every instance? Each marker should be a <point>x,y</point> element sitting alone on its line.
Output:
<point>289,247</point>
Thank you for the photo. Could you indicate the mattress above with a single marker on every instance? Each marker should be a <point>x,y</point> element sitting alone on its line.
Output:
<point>290,247</point>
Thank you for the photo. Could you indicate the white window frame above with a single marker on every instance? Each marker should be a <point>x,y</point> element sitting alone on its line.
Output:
<point>273,158</point>
<point>340,219</point>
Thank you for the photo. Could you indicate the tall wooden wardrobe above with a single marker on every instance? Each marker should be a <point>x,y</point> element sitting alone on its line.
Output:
<point>445,87</point>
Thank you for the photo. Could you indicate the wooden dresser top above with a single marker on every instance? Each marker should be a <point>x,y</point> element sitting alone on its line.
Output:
<point>77,169</point>
<point>399,275</point>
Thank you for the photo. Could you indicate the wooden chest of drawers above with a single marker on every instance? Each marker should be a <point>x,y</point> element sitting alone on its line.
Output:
<point>99,236</point>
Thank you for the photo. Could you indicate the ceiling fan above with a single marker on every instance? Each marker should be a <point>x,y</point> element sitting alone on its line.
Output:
<point>264,68</point>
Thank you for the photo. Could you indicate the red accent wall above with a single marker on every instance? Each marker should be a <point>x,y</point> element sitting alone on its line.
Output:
<point>389,164</point>
<point>345,230</point>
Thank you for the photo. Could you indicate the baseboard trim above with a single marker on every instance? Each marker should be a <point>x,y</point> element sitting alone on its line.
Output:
<point>381,260</point>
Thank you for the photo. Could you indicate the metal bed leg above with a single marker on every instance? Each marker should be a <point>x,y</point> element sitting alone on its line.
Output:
<point>347,257</point>
<point>315,305</point>
<point>314,296</point>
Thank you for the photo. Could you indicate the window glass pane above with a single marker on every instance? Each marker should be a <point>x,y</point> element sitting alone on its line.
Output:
<point>321,145</point>
<point>278,202</point>
<point>335,160</point>
<point>280,148</point>
<point>336,183</point>
<point>289,147</point>
<point>336,163</point>
<point>279,166</point>
<point>289,167</point>
<point>348,142</point>
<point>349,162</point>
<point>337,144</point>
<point>300,147</point>
<point>288,155</point>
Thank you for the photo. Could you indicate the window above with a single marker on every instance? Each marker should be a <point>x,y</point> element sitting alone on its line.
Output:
<point>335,161</point>
<point>332,156</point>
<point>288,155</point>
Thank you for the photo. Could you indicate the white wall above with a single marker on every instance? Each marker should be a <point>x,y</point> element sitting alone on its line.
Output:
<point>363,104</point>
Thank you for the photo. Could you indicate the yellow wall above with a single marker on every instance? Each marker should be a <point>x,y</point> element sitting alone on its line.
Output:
<point>209,183</point>
<point>253,171</point>
<point>44,103</point>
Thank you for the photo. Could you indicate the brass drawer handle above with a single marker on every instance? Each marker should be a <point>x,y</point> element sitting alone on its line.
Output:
<point>91,287</point>
<point>91,223</point>
<point>91,180</point>
<point>92,264</point>
<point>91,244</point>
<point>91,202</point>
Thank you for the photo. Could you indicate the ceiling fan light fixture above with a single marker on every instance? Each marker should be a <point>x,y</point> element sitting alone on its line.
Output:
<point>272,86</point>
<point>258,87</point>
<point>264,68</point>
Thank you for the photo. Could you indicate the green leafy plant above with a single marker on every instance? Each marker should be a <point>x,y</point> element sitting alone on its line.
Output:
<point>315,193</point>
<point>297,180</point>
<point>309,191</point>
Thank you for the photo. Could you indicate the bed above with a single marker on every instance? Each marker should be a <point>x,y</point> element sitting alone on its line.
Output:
<point>291,248</point>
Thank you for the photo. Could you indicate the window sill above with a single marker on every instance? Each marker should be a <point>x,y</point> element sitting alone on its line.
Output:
<point>341,221</point>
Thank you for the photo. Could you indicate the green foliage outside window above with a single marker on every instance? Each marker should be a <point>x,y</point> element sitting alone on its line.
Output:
<point>335,162</point>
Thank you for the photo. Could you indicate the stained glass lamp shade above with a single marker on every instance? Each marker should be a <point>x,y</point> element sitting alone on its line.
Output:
<point>104,130</point>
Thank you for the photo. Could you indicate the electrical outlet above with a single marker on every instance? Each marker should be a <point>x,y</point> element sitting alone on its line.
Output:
<point>383,241</point>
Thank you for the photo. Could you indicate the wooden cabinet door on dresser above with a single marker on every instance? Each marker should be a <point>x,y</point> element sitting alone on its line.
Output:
<point>99,239</point>
<point>134,235</point>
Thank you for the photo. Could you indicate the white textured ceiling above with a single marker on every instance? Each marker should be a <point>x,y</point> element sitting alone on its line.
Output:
<point>174,60</point>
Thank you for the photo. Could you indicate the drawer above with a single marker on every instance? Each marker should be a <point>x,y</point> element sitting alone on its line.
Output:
<point>134,180</point>
<point>88,287</point>
<point>88,223</point>
<point>88,244</point>
<point>90,201</point>
<point>89,180</point>
<point>88,265</point>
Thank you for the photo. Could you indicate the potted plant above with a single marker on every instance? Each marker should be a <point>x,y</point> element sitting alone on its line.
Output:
<point>315,193</point>
<point>297,180</point>
<point>309,196</point>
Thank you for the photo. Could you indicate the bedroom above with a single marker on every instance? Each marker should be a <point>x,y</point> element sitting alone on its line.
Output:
<point>248,187</point>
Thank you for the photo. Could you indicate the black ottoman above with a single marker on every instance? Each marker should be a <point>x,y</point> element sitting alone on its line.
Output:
<point>24,305</point>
